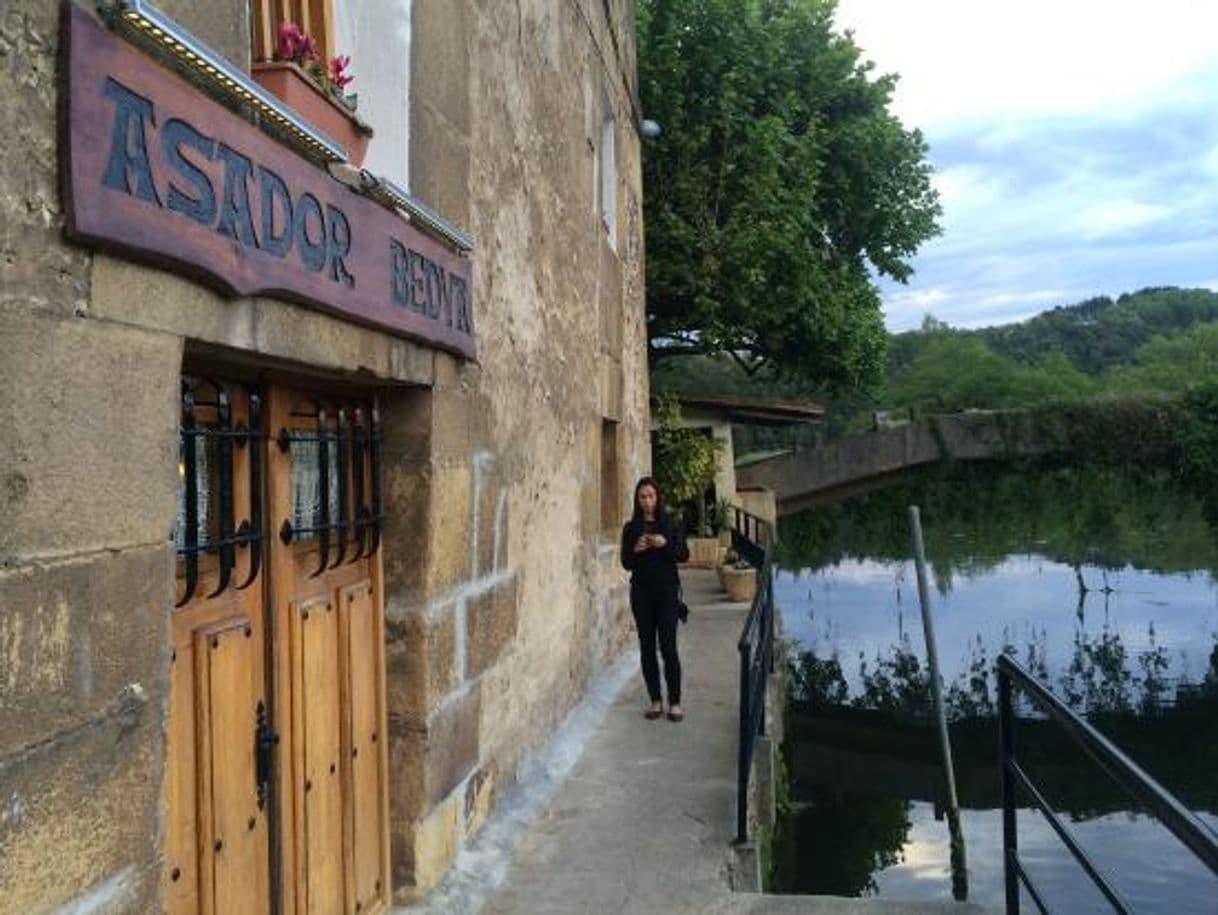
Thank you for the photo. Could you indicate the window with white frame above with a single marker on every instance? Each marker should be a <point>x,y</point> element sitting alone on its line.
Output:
<point>607,166</point>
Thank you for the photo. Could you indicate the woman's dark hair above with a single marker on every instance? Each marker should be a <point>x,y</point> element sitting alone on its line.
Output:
<point>638,510</point>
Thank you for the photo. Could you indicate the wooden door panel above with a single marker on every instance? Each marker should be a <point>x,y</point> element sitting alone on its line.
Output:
<point>228,665</point>
<point>181,791</point>
<point>217,668</point>
<point>366,774</point>
<point>325,591</point>
<point>319,744</point>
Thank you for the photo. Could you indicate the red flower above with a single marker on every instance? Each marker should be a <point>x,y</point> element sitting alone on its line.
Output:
<point>338,71</point>
<point>290,40</point>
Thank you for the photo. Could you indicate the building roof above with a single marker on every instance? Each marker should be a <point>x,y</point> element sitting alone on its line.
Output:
<point>755,410</point>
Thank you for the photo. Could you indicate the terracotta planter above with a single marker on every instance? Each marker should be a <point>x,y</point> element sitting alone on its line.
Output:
<point>296,90</point>
<point>703,552</point>
<point>741,584</point>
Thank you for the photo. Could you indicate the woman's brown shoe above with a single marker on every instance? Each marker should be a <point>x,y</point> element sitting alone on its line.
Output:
<point>654,712</point>
<point>675,714</point>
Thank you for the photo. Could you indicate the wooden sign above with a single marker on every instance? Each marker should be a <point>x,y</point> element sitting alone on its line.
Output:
<point>157,171</point>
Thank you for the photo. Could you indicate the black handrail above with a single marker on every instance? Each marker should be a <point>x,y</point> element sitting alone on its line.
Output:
<point>753,539</point>
<point>1143,789</point>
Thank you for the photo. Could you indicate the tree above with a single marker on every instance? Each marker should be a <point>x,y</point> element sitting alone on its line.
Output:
<point>781,182</point>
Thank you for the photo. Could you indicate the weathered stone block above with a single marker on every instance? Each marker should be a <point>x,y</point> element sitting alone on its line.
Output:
<point>488,518</point>
<point>407,795</point>
<point>447,532</point>
<point>407,510</point>
<point>80,815</point>
<point>442,672</point>
<point>491,619</point>
<point>437,837</point>
<point>452,743</point>
<point>88,459</point>
<point>131,293</point>
<point>38,270</point>
<point>419,666</point>
<point>450,429</point>
<point>72,635</point>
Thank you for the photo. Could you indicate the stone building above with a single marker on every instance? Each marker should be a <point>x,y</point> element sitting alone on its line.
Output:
<point>310,476</point>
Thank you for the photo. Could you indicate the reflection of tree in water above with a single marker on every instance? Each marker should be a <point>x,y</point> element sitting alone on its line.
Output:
<point>1099,678</point>
<point>834,841</point>
<point>976,515</point>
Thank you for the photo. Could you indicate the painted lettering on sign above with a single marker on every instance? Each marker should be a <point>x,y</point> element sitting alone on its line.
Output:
<point>320,238</point>
<point>157,169</point>
<point>424,286</point>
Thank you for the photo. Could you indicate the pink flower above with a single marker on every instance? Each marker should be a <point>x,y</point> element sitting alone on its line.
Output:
<point>338,71</point>
<point>308,48</point>
<point>290,40</point>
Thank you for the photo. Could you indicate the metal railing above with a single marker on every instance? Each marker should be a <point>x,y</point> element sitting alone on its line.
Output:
<point>1143,789</point>
<point>753,540</point>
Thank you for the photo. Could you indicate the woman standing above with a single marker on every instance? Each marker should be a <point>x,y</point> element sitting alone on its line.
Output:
<point>652,545</point>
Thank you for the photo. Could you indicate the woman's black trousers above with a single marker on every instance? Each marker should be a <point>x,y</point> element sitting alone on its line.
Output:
<point>655,617</point>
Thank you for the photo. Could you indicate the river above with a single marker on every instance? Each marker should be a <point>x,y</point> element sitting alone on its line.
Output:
<point>1101,582</point>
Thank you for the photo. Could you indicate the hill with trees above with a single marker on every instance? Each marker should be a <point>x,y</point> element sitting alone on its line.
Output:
<point>1156,341</point>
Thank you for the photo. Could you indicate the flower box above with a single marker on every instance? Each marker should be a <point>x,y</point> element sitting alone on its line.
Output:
<point>288,82</point>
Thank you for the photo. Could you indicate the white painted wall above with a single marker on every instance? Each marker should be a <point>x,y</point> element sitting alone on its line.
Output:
<point>376,33</point>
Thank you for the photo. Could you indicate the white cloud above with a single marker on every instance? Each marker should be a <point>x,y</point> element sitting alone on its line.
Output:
<point>966,59</point>
<point>1114,217</point>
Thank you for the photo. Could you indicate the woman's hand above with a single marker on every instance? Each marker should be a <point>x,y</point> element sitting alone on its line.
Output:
<point>658,541</point>
<point>642,543</point>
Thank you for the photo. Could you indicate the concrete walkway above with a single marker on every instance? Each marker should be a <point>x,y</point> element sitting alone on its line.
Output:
<point>643,823</point>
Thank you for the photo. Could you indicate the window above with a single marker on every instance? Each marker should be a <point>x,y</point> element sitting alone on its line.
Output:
<point>314,17</point>
<point>610,485</point>
<point>607,164</point>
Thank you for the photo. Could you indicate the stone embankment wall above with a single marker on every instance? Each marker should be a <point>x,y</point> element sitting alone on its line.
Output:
<point>849,466</point>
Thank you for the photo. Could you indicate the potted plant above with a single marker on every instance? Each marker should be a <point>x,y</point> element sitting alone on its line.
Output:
<point>739,579</point>
<point>315,89</point>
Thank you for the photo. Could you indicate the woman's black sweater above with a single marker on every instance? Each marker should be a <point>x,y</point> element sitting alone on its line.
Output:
<point>654,569</point>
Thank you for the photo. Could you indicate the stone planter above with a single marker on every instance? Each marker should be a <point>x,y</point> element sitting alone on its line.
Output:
<point>725,537</point>
<point>740,584</point>
<point>300,93</point>
<point>703,552</point>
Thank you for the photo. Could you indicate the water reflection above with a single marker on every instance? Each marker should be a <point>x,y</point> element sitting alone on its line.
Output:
<point>1104,586</point>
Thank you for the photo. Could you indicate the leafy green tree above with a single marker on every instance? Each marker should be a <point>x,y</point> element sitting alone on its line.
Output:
<point>780,183</point>
<point>1171,364</point>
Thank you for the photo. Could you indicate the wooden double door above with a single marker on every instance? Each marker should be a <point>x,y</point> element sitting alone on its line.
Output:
<point>276,783</point>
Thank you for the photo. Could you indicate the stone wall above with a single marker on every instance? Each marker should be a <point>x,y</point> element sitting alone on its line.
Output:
<point>524,600</point>
<point>503,596</point>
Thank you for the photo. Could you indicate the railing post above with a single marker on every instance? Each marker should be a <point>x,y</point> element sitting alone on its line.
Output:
<point>1010,843</point>
<point>745,750</point>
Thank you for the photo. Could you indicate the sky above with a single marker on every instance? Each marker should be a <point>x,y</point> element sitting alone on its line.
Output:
<point>1075,146</point>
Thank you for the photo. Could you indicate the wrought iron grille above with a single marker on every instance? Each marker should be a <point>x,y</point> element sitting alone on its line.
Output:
<point>336,482</point>
<point>208,439</point>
